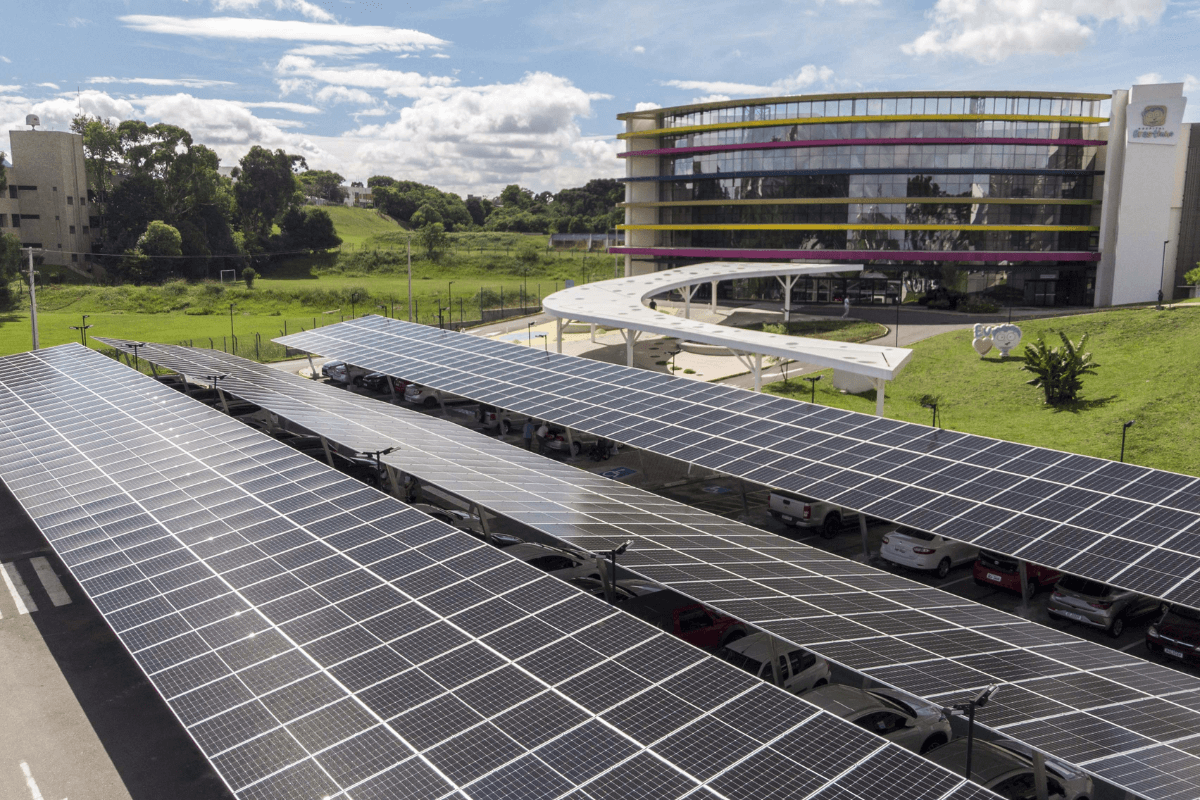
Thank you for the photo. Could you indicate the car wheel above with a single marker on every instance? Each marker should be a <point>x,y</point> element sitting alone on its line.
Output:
<point>576,448</point>
<point>358,381</point>
<point>820,683</point>
<point>943,568</point>
<point>1117,628</point>
<point>430,402</point>
<point>1034,587</point>
<point>937,740</point>
<point>505,427</point>
<point>831,526</point>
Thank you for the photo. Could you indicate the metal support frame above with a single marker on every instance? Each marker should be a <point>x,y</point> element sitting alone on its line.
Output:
<point>312,366</point>
<point>224,402</point>
<point>788,282</point>
<point>1039,776</point>
<point>591,332</point>
<point>880,391</point>
<point>1023,571</point>
<point>774,661</point>
<point>745,500</point>
<point>391,387</point>
<point>752,362</point>
<point>714,296</point>
<point>441,400</point>
<point>687,292</point>
<point>862,529</point>
<point>570,441</point>
<point>391,473</point>
<point>328,455</point>
<point>483,524</point>
<point>559,325</point>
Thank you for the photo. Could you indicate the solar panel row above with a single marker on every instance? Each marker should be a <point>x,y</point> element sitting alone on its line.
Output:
<point>320,639</point>
<point>923,641</point>
<point>1121,524</point>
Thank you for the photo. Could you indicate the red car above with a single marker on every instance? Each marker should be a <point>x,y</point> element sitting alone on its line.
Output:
<point>1004,572</point>
<point>1177,635</point>
<point>672,612</point>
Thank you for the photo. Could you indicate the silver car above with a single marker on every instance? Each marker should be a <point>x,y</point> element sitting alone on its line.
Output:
<point>1006,767</point>
<point>910,723</point>
<point>1098,605</point>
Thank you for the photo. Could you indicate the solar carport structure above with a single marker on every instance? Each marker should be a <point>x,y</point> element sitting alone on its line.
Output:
<point>1129,722</point>
<point>319,639</point>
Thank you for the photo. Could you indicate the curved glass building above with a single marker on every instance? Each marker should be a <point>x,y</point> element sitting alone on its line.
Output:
<point>992,182</point>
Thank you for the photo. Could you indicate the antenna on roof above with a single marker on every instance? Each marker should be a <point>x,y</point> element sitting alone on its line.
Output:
<point>32,121</point>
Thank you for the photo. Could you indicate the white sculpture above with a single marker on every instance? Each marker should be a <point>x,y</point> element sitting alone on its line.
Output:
<point>1004,337</point>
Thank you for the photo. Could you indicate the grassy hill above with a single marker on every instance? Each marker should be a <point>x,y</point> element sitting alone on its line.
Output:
<point>357,225</point>
<point>1148,373</point>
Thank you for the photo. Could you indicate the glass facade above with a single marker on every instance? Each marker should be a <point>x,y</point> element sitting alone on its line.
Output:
<point>992,161</point>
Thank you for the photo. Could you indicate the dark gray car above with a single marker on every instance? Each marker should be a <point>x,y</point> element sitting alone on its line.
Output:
<point>1097,604</point>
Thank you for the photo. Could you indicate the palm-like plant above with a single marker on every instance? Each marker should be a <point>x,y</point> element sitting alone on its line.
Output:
<point>1059,370</point>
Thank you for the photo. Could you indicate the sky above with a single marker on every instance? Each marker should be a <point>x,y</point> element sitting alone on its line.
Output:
<point>472,95</point>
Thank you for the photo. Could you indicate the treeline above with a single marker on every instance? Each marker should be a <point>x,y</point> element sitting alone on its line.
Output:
<point>591,208</point>
<point>163,209</point>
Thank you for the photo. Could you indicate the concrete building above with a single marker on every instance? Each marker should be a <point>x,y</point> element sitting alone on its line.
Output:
<point>1062,198</point>
<point>46,203</point>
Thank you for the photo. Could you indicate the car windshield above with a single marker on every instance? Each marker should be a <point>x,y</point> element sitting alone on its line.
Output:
<point>740,660</point>
<point>1073,583</point>
<point>1186,613</point>
<point>896,704</point>
<point>922,535</point>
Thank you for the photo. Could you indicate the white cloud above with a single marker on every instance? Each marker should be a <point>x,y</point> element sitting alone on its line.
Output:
<point>639,49</point>
<point>187,83</point>
<point>299,108</point>
<point>1190,83</point>
<point>302,6</point>
<point>807,76</point>
<point>6,59</point>
<point>298,73</point>
<point>992,30</point>
<point>711,98</point>
<point>334,50</point>
<point>439,55</point>
<point>395,39</point>
<point>1149,77</point>
<point>9,88</point>
<point>343,94</point>
<point>646,106</point>
<point>48,85</point>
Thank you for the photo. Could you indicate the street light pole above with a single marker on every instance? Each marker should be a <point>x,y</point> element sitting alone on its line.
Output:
<point>410,297</point>
<point>450,303</point>
<point>82,328</point>
<point>1124,429</point>
<point>610,585</point>
<point>32,301</point>
<point>377,455</point>
<point>232,337</point>
<point>1162,275</point>
<point>812,381</point>
<point>978,701</point>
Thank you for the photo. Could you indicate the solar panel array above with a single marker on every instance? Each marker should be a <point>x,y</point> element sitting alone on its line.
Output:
<point>319,639</point>
<point>1121,524</point>
<point>1077,701</point>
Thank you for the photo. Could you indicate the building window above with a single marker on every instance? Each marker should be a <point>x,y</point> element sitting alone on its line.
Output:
<point>12,192</point>
<point>83,201</point>
<point>60,245</point>
<point>16,220</point>
<point>3,220</point>
<point>31,216</point>
<point>74,258</point>
<point>56,217</point>
<point>54,188</point>
<point>72,230</point>
<point>70,200</point>
<point>85,228</point>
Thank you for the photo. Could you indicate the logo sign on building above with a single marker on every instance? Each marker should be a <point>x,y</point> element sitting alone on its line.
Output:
<point>1156,122</point>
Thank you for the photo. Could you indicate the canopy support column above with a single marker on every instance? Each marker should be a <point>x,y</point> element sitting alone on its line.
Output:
<point>559,326</point>
<point>631,336</point>
<point>752,362</point>
<point>687,292</point>
<point>787,282</point>
<point>862,529</point>
<point>880,390</point>
<point>311,366</point>
<point>714,296</point>
<point>591,332</point>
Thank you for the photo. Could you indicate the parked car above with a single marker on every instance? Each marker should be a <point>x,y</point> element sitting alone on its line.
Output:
<point>1098,605</point>
<point>336,372</point>
<point>491,417</point>
<point>1176,635</point>
<point>468,523</point>
<point>576,443</point>
<point>557,561</point>
<point>1006,767</point>
<point>1004,572</point>
<point>926,551</point>
<point>911,723</point>
<point>378,382</point>
<point>424,396</point>
<point>361,467</point>
<point>800,512</point>
<point>799,670</point>
<point>693,622</point>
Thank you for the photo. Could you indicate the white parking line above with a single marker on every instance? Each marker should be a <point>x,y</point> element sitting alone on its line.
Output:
<point>1131,645</point>
<point>50,581</point>
<point>956,580</point>
<point>16,587</point>
<point>29,781</point>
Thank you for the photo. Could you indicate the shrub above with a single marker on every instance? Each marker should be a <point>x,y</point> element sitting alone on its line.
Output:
<point>978,306</point>
<point>1059,370</point>
<point>248,275</point>
<point>1192,276</point>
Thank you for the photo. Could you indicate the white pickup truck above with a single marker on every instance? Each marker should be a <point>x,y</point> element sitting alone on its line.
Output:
<point>799,512</point>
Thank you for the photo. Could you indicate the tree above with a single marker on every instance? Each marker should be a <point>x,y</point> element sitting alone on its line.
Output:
<point>266,188</point>
<point>1059,370</point>
<point>433,238</point>
<point>476,210</point>
<point>323,184</point>
<point>424,216</point>
<point>10,266</point>
<point>3,173</point>
<point>308,229</point>
<point>160,239</point>
<point>248,275</point>
<point>380,180</point>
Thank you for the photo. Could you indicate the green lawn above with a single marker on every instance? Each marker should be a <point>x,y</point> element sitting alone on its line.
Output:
<point>357,225</point>
<point>849,330</point>
<point>1148,373</point>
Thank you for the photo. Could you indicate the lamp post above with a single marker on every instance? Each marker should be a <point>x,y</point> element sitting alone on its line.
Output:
<point>1124,428</point>
<point>353,300</point>
<point>213,379</point>
<point>812,382</point>
<point>383,306</point>
<point>82,328</point>
<point>610,585</point>
<point>676,351</point>
<point>931,405</point>
<point>450,303</point>
<point>135,346</point>
<point>978,701</point>
<point>410,297</point>
<point>1162,275</point>
<point>232,338</point>
<point>529,338</point>
<point>32,300</point>
<point>378,455</point>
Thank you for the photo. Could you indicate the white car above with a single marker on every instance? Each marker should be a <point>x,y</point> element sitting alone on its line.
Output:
<point>557,561</point>
<point>336,372</point>
<point>910,723</point>
<point>926,551</point>
<point>799,670</point>
<point>1006,767</point>
<point>424,396</point>
<point>799,512</point>
<point>506,421</point>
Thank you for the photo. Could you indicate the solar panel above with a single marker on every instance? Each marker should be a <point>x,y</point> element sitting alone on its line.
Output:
<point>245,580</point>
<point>1125,525</point>
<point>896,631</point>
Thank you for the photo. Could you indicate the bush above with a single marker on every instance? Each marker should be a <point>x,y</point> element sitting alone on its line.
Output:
<point>1059,370</point>
<point>978,306</point>
<point>1192,276</point>
<point>248,275</point>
